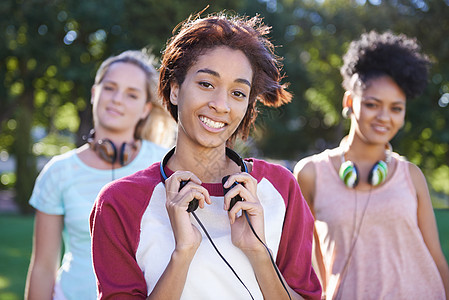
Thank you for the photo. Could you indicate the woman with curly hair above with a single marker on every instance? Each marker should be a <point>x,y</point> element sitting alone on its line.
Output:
<point>150,230</point>
<point>375,230</point>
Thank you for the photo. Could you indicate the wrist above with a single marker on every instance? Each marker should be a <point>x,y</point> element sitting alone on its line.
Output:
<point>258,254</point>
<point>184,253</point>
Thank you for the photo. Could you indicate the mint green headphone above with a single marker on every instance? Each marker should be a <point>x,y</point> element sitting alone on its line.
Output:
<point>349,173</point>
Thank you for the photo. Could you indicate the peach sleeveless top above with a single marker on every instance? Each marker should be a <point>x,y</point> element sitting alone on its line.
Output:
<point>390,259</point>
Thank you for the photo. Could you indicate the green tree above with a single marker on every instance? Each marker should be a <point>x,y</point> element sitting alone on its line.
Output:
<point>315,35</point>
<point>48,59</point>
<point>51,49</point>
<point>23,57</point>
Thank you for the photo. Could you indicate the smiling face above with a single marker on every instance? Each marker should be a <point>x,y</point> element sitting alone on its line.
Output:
<point>213,98</point>
<point>120,99</point>
<point>378,112</point>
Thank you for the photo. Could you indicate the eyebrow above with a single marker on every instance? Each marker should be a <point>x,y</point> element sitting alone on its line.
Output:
<point>130,88</point>
<point>215,74</point>
<point>379,100</point>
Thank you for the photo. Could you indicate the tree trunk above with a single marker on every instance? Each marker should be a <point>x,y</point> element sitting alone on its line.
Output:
<point>26,169</point>
<point>85,124</point>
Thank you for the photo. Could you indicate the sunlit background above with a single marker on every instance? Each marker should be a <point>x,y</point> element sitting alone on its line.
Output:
<point>50,50</point>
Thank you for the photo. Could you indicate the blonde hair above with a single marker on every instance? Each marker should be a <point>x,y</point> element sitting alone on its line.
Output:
<point>158,127</point>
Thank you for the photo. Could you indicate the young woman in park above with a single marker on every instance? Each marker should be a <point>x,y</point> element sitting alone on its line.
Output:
<point>148,245</point>
<point>375,230</point>
<point>123,97</point>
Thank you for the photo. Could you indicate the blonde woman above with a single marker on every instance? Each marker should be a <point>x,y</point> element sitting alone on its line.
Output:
<point>123,98</point>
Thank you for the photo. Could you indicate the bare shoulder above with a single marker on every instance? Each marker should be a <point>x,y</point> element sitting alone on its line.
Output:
<point>305,169</point>
<point>305,173</point>
<point>416,175</point>
<point>419,182</point>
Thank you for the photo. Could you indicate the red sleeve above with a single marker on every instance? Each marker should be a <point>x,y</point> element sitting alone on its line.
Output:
<point>294,257</point>
<point>115,229</point>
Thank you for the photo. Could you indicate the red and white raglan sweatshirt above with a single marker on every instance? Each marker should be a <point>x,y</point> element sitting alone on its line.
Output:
<point>132,239</point>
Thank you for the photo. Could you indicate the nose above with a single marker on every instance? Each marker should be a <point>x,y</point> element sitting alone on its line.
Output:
<point>383,114</point>
<point>117,96</point>
<point>219,102</point>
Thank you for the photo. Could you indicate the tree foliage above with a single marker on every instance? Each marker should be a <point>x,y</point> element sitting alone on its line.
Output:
<point>315,35</point>
<point>51,48</point>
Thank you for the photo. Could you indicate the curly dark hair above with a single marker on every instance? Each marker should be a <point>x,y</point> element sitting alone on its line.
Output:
<point>198,35</point>
<point>375,55</point>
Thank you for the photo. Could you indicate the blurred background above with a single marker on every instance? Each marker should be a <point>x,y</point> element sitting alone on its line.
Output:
<point>50,50</point>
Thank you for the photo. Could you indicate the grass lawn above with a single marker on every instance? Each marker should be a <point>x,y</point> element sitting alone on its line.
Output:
<point>442,216</point>
<point>15,250</point>
<point>16,240</point>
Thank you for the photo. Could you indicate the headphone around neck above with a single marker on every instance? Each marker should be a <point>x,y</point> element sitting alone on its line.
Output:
<point>191,209</point>
<point>106,150</point>
<point>229,153</point>
<point>349,173</point>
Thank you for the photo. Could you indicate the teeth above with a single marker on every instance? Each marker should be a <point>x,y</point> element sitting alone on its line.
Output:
<point>210,123</point>
<point>381,128</point>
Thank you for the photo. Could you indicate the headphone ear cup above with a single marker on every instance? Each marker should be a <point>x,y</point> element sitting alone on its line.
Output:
<point>349,174</point>
<point>378,173</point>
<point>124,154</point>
<point>106,150</point>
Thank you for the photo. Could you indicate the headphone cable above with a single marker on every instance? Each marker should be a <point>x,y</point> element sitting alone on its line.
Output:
<point>234,156</point>
<point>222,257</point>
<point>112,172</point>
<point>269,253</point>
<point>227,263</point>
<point>354,239</point>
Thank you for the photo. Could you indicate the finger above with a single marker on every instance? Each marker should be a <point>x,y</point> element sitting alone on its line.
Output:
<point>231,195</point>
<point>193,191</point>
<point>195,195</point>
<point>243,178</point>
<point>253,209</point>
<point>178,195</point>
<point>181,202</point>
<point>174,181</point>
<point>200,189</point>
<point>189,176</point>
<point>242,193</point>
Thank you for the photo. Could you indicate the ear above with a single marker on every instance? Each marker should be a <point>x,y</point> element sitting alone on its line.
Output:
<point>92,95</point>
<point>146,110</point>
<point>174,91</point>
<point>347,100</point>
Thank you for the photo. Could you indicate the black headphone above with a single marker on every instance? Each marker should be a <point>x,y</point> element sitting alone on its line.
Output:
<point>106,150</point>
<point>349,173</point>
<point>229,153</point>
<point>193,205</point>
